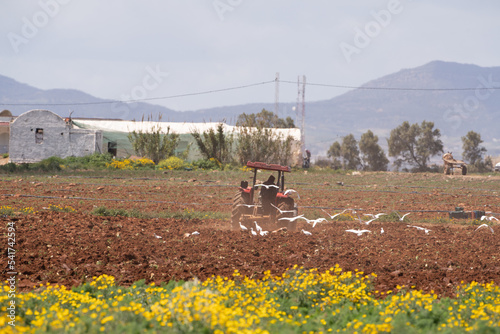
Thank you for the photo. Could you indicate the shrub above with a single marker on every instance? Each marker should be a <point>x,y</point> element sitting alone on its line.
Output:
<point>6,210</point>
<point>49,165</point>
<point>120,164</point>
<point>99,160</point>
<point>96,160</point>
<point>210,164</point>
<point>9,167</point>
<point>58,208</point>
<point>171,163</point>
<point>142,163</point>
<point>103,211</point>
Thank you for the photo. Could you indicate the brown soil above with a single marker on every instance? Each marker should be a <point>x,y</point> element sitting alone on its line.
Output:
<point>70,248</point>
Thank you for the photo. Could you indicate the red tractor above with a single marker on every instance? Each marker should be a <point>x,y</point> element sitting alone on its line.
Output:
<point>264,203</point>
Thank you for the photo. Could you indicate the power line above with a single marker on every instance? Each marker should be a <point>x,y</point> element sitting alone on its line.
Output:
<point>276,81</point>
<point>392,88</point>
<point>139,100</point>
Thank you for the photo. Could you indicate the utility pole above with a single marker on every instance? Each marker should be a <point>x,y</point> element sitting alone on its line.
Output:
<point>277,94</point>
<point>301,110</point>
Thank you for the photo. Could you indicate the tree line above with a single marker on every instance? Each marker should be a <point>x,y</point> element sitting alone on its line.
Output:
<point>411,146</point>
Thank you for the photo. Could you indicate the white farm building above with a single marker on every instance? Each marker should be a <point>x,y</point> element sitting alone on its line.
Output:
<point>39,134</point>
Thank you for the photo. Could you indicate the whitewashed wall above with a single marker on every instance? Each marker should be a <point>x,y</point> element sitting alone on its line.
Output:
<point>58,139</point>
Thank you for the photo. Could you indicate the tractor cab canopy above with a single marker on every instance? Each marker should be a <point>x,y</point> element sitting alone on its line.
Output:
<point>272,167</point>
<point>262,165</point>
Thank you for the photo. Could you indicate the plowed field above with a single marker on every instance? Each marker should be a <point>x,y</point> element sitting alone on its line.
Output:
<point>71,247</point>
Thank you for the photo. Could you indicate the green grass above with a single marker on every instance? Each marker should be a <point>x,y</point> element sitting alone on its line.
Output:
<point>10,211</point>
<point>186,214</point>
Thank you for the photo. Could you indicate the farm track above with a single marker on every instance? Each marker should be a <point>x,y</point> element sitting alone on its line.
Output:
<point>69,248</point>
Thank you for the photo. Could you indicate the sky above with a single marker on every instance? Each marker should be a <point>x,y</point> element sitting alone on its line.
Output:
<point>161,50</point>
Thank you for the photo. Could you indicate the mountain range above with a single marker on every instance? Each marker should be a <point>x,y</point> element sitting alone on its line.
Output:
<point>456,97</point>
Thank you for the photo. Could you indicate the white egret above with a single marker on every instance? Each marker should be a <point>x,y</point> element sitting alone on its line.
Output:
<point>420,228</point>
<point>378,215</point>
<point>282,211</point>
<point>314,221</point>
<point>292,218</point>
<point>485,225</point>
<point>335,215</point>
<point>248,205</point>
<point>369,221</point>
<point>490,218</point>
<point>359,232</point>
<point>267,186</point>
<point>288,191</point>
<point>401,218</point>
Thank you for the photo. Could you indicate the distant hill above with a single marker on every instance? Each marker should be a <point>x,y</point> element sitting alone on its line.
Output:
<point>454,112</point>
<point>87,105</point>
<point>379,105</point>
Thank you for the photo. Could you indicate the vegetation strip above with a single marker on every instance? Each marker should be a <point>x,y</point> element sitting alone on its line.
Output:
<point>298,301</point>
<point>173,202</point>
<point>104,199</point>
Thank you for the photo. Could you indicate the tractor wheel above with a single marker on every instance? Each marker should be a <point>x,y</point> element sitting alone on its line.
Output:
<point>287,205</point>
<point>464,170</point>
<point>238,210</point>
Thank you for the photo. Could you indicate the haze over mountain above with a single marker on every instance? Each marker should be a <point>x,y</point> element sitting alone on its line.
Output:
<point>456,97</point>
<point>454,112</point>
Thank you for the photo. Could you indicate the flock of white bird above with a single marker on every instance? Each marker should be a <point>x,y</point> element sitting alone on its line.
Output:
<point>313,222</point>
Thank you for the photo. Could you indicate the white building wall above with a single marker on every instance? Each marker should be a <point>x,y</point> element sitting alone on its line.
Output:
<point>55,138</point>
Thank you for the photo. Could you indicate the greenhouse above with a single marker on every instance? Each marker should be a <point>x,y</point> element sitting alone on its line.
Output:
<point>115,134</point>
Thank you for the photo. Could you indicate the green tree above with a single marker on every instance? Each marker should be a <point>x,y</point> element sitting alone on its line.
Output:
<point>154,144</point>
<point>414,144</point>
<point>257,139</point>
<point>373,156</point>
<point>264,119</point>
<point>348,152</point>
<point>214,143</point>
<point>473,152</point>
<point>335,153</point>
